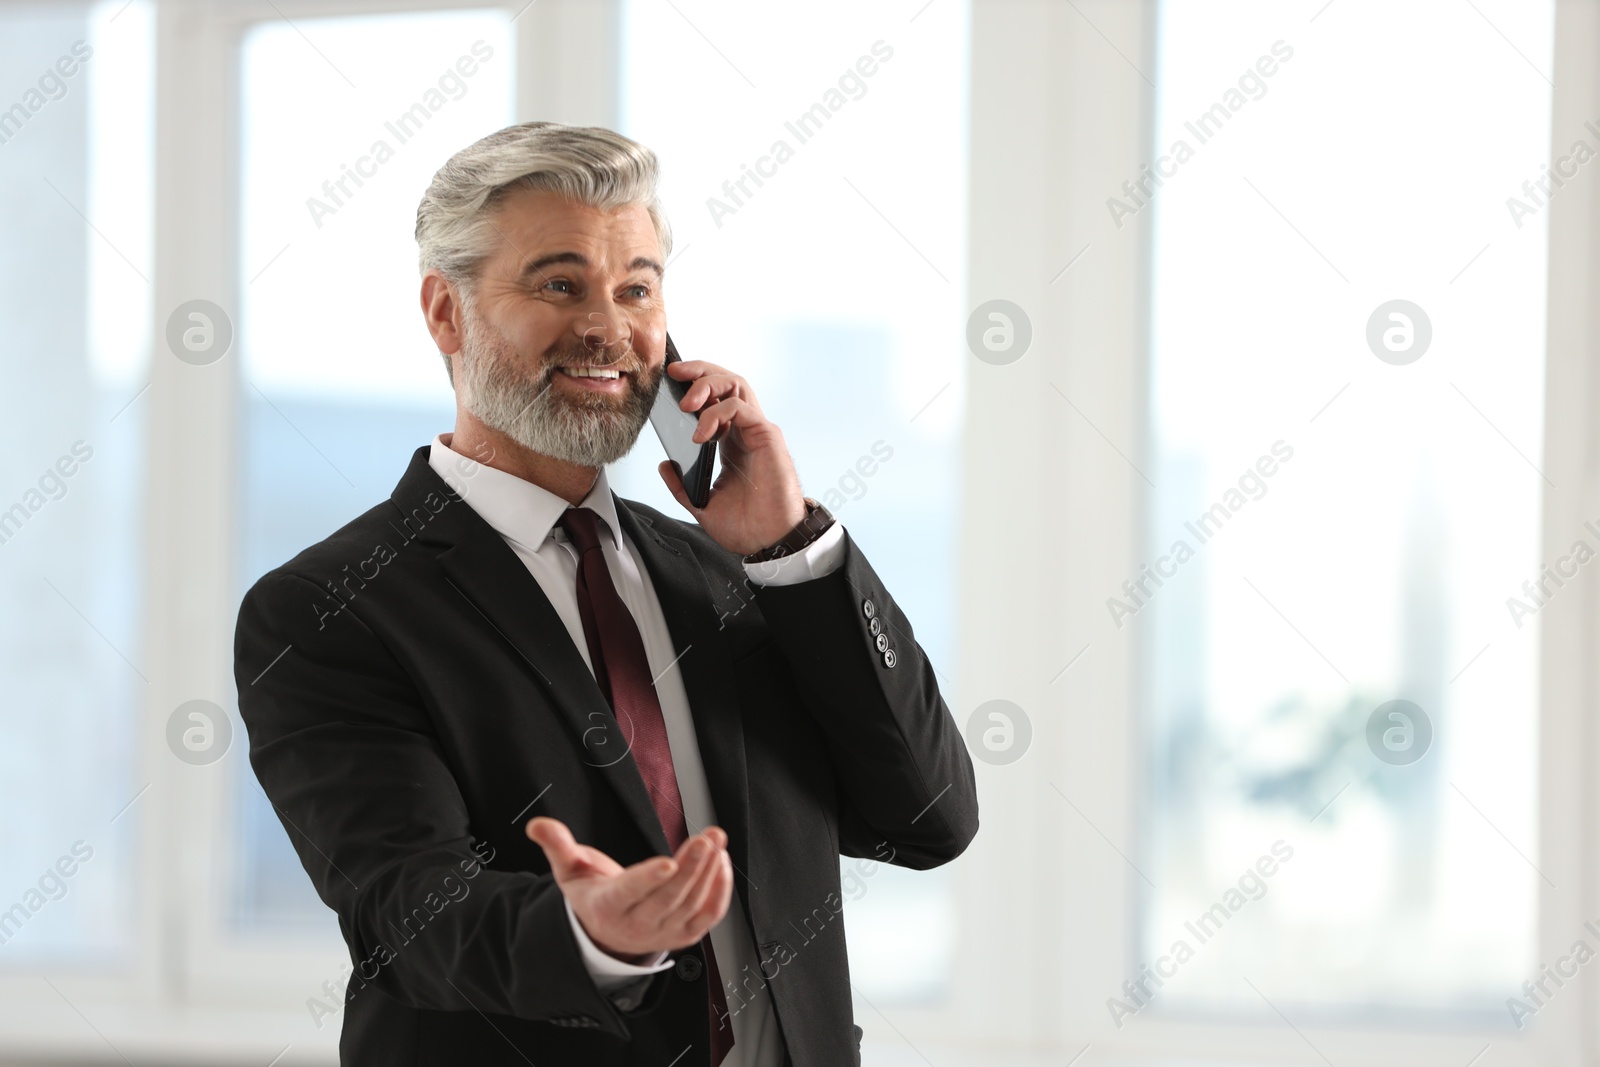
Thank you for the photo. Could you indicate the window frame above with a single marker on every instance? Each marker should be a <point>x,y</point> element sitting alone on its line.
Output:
<point>1046,906</point>
<point>192,983</point>
<point>1041,165</point>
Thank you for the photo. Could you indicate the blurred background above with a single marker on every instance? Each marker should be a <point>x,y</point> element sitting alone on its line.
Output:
<point>1211,380</point>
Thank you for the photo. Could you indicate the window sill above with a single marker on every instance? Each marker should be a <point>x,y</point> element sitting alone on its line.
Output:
<point>88,1032</point>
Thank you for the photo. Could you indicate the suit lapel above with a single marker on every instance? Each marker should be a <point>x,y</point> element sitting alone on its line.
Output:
<point>685,598</point>
<point>497,587</point>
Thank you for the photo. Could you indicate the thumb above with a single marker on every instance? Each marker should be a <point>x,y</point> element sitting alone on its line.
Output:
<point>669,474</point>
<point>560,848</point>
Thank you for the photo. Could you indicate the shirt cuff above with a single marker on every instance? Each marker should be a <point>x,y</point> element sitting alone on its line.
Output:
<point>821,557</point>
<point>608,972</point>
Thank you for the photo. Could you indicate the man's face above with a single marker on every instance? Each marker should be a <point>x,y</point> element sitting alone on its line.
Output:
<point>564,341</point>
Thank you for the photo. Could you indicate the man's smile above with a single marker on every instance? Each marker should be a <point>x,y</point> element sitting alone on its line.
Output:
<point>594,379</point>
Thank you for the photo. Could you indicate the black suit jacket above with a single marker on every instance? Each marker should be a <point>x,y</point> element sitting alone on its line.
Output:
<point>412,699</point>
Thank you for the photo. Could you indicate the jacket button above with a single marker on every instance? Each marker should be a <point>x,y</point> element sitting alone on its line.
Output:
<point>883,642</point>
<point>868,608</point>
<point>889,658</point>
<point>873,626</point>
<point>689,967</point>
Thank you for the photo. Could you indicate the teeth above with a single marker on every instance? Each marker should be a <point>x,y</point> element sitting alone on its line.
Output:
<point>589,372</point>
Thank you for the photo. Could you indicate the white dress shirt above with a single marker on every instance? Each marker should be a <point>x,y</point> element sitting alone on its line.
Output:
<point>527,516</point>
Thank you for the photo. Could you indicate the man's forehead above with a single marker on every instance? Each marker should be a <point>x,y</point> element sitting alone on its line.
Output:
<point>537,224</point>
<point>538,263</point>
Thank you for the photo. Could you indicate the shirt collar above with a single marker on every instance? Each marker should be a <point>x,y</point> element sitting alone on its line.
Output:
<point>517,509</point>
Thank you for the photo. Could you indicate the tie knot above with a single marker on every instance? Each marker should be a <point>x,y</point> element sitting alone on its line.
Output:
<point>583,527</point>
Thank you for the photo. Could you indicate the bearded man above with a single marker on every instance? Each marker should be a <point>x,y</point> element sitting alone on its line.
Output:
<point>574,775</point>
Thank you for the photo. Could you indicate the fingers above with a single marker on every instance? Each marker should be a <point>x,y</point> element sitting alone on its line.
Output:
<point>674,480</point>
<point>567,858</point>
<point>671,902</point>
<point>687,370</point>
<point>709,901</point>
<point>716,905</point>
<point>643,891</point>
<point>641,882</point>
<point>693,856</point>
<point>712,383</point>
<point>732,411</point>
<point>698,858</point>
<point>560,848</point>
<point>659,903</point>
<point>704,905</point>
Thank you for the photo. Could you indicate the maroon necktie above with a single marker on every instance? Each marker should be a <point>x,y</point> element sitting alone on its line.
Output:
<point>623,674</point>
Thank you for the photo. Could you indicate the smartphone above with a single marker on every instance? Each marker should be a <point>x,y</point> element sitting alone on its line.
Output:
<point>676,429</point>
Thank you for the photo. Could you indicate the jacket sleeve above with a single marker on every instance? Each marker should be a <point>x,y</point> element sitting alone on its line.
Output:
<point>348,757</point>
<point>905,778</point>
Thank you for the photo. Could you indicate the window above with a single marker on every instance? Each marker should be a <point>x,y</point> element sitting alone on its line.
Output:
<point>1346,417</point>
<point>344,122</point>
<point>812,169</point>
<point>75,249</point>
<point>1218,360</point>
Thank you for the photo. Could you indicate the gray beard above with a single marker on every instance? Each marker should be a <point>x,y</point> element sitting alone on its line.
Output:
<point>589,431</point>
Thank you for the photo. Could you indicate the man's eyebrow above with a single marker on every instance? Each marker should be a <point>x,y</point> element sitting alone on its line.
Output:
<point>577,259</point>
<point>645,263</point>
<point>537,266</point>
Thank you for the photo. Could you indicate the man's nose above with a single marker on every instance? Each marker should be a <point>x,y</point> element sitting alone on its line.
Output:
<point>599,328</point>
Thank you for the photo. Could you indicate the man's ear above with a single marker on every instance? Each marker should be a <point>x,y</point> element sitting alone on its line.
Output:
<point>442,312</point>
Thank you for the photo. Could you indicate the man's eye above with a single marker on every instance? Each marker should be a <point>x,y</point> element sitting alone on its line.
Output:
<point>639,291</point>
<point>561,282</point>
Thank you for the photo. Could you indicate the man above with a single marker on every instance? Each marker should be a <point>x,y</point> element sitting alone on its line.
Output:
<point>576,776</point>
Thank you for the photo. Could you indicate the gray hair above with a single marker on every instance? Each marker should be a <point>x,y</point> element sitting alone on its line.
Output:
<point>589,164</point>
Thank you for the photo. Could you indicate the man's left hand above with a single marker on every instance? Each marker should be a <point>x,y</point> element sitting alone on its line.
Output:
<point>756,499</point>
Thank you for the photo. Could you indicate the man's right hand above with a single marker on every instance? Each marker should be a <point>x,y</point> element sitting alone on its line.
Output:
<point>659,904</point>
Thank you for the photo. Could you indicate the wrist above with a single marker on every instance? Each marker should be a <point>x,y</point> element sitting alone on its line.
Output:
<point>636,959</point>
<point>632,958</point>
<point>812,525</point>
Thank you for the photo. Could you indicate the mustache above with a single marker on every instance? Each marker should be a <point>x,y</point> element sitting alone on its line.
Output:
<point>625,360</point>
